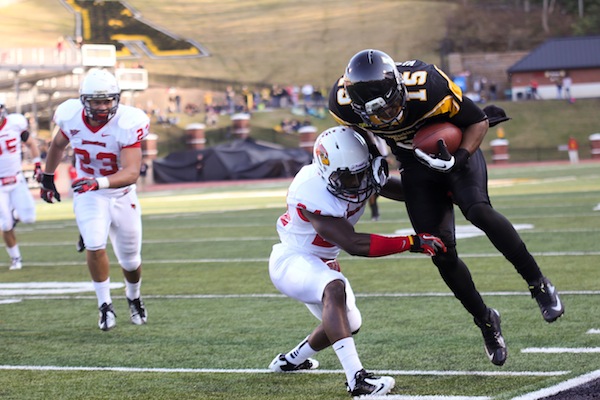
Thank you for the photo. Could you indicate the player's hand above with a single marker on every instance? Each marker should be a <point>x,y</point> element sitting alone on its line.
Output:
<point>37,171</point>
<point>48,190</point>
<point>83,185</point>
<point>443,160</point>
<point>381,172</point>
<point>428,244</point>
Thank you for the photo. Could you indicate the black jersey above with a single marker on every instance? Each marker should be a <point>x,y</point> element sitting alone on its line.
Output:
<point>431,96</point>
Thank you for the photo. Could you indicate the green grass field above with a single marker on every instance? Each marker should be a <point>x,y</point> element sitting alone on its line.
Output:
<point>215,320</point>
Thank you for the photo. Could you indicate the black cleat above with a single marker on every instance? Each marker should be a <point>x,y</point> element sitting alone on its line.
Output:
<point>80,246</point>
<point>368,384</point>
<point>281,364</point>
<point>547,298</point>
<point>494,345</point>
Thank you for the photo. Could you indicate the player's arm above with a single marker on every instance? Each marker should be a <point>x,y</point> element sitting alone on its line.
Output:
<point>393,189</point>
<point>131,164</point>
<point>48,191</point>
<point>34,151</point>
<point>341,232</point>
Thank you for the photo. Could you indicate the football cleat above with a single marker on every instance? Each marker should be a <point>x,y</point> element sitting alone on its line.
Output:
<point>547,298</point>
<point>80,246</point>
<point>137,311</point>
<point>108,318</point>
<point>494,345</point>
<point>15,263</point>
<point>366,383</point>
<point>281,364</point>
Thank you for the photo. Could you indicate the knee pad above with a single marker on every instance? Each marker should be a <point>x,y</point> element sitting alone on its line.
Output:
<point>354,320</point>
<point>131,264</point>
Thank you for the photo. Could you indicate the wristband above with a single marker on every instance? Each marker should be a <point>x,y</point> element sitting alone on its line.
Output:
<point>385,245</point>
<point>103,182</point>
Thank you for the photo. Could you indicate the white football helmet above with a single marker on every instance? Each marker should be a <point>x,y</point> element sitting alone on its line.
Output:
<point>99,84</point>
<point>344,164</point>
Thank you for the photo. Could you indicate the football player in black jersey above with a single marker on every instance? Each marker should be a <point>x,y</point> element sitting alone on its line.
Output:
<point>393,100</point>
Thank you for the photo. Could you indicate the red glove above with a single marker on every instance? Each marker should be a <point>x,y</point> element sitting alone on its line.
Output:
<point>426,243</point>
<point>83,185</point>
<point>37,171</point>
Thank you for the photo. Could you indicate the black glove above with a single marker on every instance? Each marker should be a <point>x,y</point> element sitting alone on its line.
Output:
<point>495,115</point>
<point>82,185</point>
<point>426,243</point>
<point>48,189</point>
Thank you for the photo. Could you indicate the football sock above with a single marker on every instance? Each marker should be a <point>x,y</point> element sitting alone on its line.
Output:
<point>345,349</point>
<point>132,290</point>
<point>14,252</point>
<point>300,353</point>
<point>103,292</point>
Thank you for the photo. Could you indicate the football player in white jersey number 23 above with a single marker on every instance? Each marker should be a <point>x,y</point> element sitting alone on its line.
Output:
<point>106,140</point>
<point>324,202</point>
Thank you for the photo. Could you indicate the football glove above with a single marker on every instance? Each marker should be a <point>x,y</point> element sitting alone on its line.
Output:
<point>495,115</point>
<point>37,171</point>
<point>83,185</point>
<point>444,161</point>
<point>426,243</point>
<point>48,190</point>
<point>381,172</point>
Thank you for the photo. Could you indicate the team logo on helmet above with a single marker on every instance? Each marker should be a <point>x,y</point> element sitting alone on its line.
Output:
<point>322,154</point>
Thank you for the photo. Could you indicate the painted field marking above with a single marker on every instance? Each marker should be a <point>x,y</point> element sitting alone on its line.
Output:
<point>561,387</point>
<point>268,371</point>
<point>559,350</point>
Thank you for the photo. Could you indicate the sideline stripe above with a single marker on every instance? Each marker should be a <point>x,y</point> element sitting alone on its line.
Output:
<point>558,350</point>
<point>593,331</point>
<point>268,371</point>
<point>561,387</point>
<point>41,296</point>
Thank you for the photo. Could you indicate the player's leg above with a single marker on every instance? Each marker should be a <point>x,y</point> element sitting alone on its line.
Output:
<point>430,206</point>
<point>126,238</point>
<point>472,197</point>
<point>93,220</point>
<point>7,224</point>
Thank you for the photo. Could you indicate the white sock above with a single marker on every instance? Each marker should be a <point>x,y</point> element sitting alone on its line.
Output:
<point>132,290</point>
<point>345,349</point>
<point>103,292</point>
<point>14,252</point>
<point>300,353</point>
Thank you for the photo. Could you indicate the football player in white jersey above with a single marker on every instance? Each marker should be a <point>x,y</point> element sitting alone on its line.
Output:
<point>15,199</point>
<point>106,139</point>
<point>325,200</point>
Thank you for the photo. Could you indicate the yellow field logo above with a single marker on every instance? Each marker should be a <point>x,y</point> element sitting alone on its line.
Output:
<point>115,22</point>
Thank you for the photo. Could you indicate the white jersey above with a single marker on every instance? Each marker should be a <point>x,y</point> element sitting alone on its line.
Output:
<point>10,144</point>
<point>308,191</point>
<point>98,150</point>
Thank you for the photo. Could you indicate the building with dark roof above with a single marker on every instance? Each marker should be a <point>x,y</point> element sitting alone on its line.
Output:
<point>558,68</point>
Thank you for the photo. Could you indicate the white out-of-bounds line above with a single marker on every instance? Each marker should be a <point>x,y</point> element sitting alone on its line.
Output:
<point>557,350</point>
<point>268,371</point>
<point>593,331</point>
<point>404,397</point>
<point>561,387</point>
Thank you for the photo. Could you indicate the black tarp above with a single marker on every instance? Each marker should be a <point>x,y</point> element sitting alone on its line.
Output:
<point>236,160</point>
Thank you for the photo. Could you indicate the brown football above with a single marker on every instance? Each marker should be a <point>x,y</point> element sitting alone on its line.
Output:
<point>427,137</point>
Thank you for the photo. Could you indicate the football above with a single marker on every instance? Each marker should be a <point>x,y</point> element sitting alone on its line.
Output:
<point>427,137</point>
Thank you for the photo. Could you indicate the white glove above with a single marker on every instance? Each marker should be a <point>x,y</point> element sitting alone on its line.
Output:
<point>444,163</point>
<point>381,172</point>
